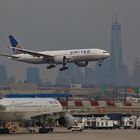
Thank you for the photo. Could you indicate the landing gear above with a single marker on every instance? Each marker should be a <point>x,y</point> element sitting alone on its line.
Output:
<point>64,67</point>
<point>46,130</point>
<point>50,66</point>
<point>100,63</point>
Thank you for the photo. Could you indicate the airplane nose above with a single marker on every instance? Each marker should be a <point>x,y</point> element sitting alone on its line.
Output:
<point>107,54</point>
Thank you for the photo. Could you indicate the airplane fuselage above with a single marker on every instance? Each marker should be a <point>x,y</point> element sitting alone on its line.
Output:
<point>76,55</point>
<point>19,109</point>
<point>80,57</point>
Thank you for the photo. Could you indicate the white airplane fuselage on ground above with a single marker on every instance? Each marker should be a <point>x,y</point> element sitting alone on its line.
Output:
<point>22,109</point>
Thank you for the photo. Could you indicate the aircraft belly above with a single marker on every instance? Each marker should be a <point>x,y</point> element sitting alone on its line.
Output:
<point>32,61</point>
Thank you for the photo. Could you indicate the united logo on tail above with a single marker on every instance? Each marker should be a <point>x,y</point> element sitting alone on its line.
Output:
<point>15,44</point>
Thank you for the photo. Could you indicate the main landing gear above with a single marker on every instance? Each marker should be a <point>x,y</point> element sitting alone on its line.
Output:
<point>50,66</point>
<point>64,67</point>
<point>64,62</point>
<point>46,127</point>
<point>100,63</point>
<point>45,130</point>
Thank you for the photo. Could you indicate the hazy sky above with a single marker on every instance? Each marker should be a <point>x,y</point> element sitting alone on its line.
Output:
<point>67,24</point>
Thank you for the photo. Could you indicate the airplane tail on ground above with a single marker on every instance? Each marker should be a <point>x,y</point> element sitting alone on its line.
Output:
<point>15,44</point>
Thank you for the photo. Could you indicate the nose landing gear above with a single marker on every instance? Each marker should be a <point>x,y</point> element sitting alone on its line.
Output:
<point>50,66</point>
<point>100,63</point>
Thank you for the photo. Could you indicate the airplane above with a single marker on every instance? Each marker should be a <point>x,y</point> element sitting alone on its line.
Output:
<point>81,57</point>
<point>43,111</point>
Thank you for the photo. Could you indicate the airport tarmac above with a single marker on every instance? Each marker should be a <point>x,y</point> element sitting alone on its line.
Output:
<point>85,135</point>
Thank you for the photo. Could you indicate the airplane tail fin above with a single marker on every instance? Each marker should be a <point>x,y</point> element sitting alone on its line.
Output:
<point>15,44</point>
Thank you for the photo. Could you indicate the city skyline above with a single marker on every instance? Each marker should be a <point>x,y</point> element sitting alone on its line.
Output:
<point>113,72</point>
<point>50,25</point>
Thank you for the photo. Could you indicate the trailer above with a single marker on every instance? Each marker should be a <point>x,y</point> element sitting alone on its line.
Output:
<point>129,122</point>
<point>138,123</point>
<point>104,124</point>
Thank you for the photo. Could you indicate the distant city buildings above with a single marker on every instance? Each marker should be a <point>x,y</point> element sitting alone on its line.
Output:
<point>135,79</point>
<point>118,70</point>
<point>113,72</point>
<point>33,75</point>
<point>102,76</point>
<point>3,74</point>
<point>89,77</point>
<point>73,75</point>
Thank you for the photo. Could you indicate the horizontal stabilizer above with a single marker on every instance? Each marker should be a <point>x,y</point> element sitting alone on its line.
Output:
<point>10,56</point>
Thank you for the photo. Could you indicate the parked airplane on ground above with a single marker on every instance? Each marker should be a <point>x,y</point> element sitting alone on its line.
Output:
<point>80,57</point>
<point>43,111</point>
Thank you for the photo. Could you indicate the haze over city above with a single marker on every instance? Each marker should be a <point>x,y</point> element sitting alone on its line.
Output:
<point>55,25</point>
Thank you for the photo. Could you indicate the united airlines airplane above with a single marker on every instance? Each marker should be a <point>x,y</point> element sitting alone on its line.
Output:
<point>43,111</point>
<point>80,57</point>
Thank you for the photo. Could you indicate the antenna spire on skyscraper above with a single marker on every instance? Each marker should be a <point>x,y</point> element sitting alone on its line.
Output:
<point>115,18</point>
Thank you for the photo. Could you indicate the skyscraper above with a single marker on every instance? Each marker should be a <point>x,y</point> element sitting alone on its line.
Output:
<point>113,71</point>
<point>3,74</point>
<point>118,70</point>
<point>33,75</point>
<point>135,80</point>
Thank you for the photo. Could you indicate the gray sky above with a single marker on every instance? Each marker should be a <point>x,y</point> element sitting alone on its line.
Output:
<point>67,24</point>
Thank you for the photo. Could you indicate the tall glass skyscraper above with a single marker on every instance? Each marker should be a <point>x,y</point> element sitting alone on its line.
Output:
<point>116,48</point>
<point>118,71</point>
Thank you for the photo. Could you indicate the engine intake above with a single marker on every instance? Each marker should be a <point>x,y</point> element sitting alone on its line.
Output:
<point>66,120</point>
<point>60,59</point>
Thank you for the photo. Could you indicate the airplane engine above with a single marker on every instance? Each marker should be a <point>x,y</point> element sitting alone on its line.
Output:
<point>60,59</point>
<point>66,120</point>
<point>82,63</point>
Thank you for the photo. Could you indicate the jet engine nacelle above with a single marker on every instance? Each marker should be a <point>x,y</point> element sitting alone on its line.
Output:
<point>66,120</point>
<point>60,59</point>
<point>82,63</point>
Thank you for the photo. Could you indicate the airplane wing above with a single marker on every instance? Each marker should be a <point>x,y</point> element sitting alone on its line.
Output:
<point>48,115</point>
<point>34,53</point>
<point>53,114</point>
<point>10,56</point>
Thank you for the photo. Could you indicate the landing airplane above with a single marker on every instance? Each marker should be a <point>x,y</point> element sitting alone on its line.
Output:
<point>80,57</point>
<point>39,110</point>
